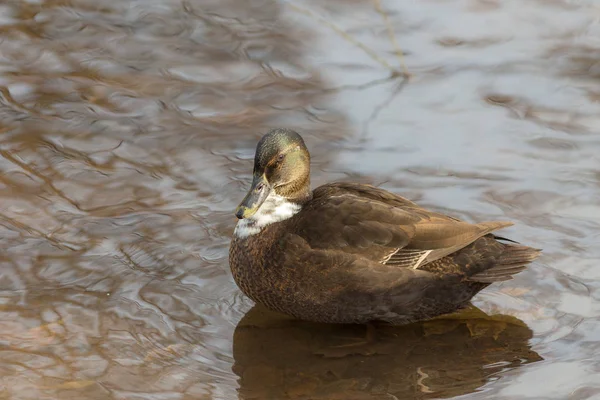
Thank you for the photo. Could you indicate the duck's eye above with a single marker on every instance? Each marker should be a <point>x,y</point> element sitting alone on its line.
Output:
<point>280,157</point>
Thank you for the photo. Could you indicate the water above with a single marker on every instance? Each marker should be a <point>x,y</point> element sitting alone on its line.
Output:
<point>127,132</point>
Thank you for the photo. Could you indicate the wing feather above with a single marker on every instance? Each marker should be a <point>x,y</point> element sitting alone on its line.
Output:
<point>383,227</point>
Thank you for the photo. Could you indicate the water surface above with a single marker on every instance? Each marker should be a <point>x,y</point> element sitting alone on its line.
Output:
<point>127,131</point>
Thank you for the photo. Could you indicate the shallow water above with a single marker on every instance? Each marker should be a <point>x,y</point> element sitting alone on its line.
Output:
<point>127,130</point>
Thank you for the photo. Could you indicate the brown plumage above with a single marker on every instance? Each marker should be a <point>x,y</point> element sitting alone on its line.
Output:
<point>353,253</point>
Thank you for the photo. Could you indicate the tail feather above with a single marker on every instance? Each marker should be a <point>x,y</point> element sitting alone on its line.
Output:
<point>501,238</point>
<point>513,260</point>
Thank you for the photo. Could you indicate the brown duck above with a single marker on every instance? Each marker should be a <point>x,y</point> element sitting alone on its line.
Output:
<point>353,253</point>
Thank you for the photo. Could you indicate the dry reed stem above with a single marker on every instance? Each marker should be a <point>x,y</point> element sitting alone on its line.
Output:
<point>392,35</point>
<point>344,35</point>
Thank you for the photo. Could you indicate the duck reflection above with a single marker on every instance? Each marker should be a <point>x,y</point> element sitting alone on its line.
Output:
<point>280,358</point>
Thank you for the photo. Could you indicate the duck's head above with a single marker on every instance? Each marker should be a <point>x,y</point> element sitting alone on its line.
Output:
<point>281,171</point>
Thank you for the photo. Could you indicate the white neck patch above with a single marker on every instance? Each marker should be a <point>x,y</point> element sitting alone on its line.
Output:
<point>275,209</point>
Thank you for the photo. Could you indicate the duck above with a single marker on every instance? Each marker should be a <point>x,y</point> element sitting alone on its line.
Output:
<point>353,253</point>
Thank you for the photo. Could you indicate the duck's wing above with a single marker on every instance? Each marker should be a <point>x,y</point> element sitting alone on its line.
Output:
<point>385,228</point>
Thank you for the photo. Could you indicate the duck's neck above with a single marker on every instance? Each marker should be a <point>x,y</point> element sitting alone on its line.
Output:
<point>276,208</point>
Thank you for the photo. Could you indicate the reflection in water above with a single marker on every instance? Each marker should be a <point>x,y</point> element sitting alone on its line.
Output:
<point>280,358</point>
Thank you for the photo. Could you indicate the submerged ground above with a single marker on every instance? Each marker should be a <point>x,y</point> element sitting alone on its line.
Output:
<point>127,130</point>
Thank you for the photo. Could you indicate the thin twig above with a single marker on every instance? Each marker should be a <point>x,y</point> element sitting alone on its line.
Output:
<point>390,30</point>
<point>343,34</point>
<point>380,107</point>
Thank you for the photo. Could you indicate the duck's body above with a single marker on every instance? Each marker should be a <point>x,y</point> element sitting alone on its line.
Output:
<point>352,253</point>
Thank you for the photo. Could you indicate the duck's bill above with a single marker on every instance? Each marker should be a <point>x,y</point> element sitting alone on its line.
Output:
<point>256,196</point>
